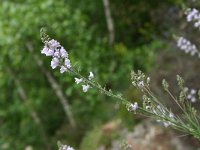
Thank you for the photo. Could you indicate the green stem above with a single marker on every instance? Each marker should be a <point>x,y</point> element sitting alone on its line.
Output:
<point>98,87</point>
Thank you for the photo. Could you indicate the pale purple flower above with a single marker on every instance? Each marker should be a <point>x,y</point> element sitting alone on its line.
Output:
<point>59,55</point>
<point>187,46</point>
<point>193,15</point>
<point>77,80</point>
<point>55,62</point>
<point>63,52</point>
<point>91,76</point>
<point>63,69</point>
<point>85,87</point>
<point>56,53</point>
<point>47,51</point>
<point>53,44</point>
<point>192,95</point>
<point>67,63</point>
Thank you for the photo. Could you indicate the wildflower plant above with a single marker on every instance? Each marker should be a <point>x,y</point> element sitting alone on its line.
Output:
<point>192,16</point>
<point>53,48</point>
<point>150,105</point>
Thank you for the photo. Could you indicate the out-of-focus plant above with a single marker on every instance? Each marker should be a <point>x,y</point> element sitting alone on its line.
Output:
<point>192,16</point>
<point>20,21</point>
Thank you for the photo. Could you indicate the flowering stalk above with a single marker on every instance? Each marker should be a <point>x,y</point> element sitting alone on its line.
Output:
<point>151,107</point>
<point>60,58</point>
<point>192,15</point>
<point>188,123</point>
<point>186,46</point>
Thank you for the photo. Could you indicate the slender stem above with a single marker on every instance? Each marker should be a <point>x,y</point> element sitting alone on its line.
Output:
<point>189,117</point>
<point>123,100</point>
<point>175,122</point>
<point>175,100</point>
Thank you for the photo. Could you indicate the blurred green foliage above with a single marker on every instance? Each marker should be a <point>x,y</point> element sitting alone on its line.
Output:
<point>80,26</point>
<point>89,142</point>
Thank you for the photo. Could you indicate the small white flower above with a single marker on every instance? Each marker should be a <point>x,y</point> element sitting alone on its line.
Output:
<point>171,115</point>
<point>161,109</point>
<point>189,96</point>
<point>63,69</point>
<point>166,124</point>
<point>193,91</point>
<point>133,107</point>
<point>148,107</point>
<point>54,63</point>
<point>77,80</point>
<point>91,76</point>
<point>197,24</point>
<point>141,84</point>
<point>192,95</point>
<point>193,100</point>
<point>70,148</point>
<point>158,120</point>
<point>85,87</point>
<point>66,147</point>
<point>148,80</point>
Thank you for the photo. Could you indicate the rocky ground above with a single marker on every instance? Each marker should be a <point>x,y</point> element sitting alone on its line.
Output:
<point>149,135</point>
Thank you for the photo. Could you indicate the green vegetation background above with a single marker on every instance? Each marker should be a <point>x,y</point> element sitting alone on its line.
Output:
<point>80,26</point>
